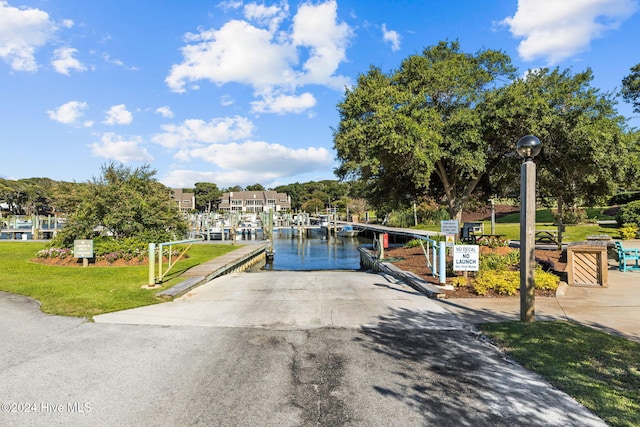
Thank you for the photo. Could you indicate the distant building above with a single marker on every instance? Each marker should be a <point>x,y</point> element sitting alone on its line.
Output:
<point>186,201</point>
<point>254,201</point>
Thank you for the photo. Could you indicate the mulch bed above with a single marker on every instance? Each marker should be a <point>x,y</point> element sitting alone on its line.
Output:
<point>413,260</point>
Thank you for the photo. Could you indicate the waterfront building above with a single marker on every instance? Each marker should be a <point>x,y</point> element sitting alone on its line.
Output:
<point>254,201</point>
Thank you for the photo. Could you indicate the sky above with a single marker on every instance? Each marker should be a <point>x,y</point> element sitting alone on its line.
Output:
<point>239,92</point>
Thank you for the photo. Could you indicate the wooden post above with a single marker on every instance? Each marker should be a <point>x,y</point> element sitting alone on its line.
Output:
<point>152,264</point>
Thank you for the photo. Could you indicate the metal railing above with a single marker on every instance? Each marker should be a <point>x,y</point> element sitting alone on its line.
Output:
<point>439,252</point>
<point>153,279</point>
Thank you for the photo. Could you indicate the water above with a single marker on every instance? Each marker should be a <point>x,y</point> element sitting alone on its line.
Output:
<point>315,252</point>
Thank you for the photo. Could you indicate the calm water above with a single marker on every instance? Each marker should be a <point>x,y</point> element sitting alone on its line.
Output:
<point>315,252</point>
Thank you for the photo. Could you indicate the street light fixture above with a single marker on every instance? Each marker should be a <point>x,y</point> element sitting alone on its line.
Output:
<point>528,147</point>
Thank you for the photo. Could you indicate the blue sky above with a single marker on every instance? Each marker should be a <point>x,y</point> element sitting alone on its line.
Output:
<point>240,92</point>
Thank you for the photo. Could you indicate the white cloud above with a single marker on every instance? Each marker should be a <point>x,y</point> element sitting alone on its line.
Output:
<point>316,27</point>
<point>261,55</point>
<point>183,178</point>
<point>268,16</point>
<point>68,113</point>
<point>114,61</point>
<point>195,132</point>
<point>238,52</point>
<point>392,37</point>
<point>165,112</point>
<point>281,104</point>
<point>116,147</point>
<point>22,32</point>
<point>230,4</point>
<point>556,30</point>
<point>262,158</point>
<point>226,100</point>
<point>63,60</point>
<point>118,115</point>
<point>250,162</point>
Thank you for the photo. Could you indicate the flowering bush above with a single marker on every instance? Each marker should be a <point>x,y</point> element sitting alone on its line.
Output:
<point>108,249</point>
<point>507,282</point>
<point>111,257</point>
<point>493,242</point>
<point>61,253</point>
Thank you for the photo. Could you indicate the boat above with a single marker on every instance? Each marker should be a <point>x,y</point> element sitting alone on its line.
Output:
<point>348,231</point>
<point>215,231</point>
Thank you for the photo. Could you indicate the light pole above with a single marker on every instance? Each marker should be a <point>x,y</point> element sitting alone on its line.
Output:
<point>528,147</point>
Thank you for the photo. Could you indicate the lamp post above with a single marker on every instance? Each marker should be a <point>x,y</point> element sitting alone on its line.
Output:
<point>528,147</point>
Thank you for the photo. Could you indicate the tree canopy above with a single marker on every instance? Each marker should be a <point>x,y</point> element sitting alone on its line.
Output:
<point>445,124</point>
<point>584,153</point>
<point>631,88</point>
<point>579,127</point>
<point>124,202</point>
<point>418,131</point>
<point>207,195</point>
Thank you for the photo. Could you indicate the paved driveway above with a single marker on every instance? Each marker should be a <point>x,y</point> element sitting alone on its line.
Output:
<point>294,356</point>
<point>290,300</point>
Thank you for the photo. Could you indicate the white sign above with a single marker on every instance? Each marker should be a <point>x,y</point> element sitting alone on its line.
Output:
<point>466,257</point>
<point>449,227</point>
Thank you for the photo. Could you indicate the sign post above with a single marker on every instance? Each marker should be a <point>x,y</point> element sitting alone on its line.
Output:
<point>83,249</point>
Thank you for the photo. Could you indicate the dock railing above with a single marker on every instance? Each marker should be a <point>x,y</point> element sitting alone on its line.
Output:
<point>153,279</point>
<point>438,249</point>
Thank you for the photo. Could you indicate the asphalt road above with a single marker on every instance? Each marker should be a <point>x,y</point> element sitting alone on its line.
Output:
<point>403,366</point>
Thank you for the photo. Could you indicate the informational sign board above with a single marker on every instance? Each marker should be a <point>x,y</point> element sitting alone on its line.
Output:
<point>449,227</point>
<point>466,257</point>
<point>83,248</point>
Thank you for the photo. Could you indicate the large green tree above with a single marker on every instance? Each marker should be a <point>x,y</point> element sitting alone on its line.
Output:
<point>631,88</point>
<point>207,195</point>
<point>418,131</point>
<point>124,202</point>
<point>585,151</point>
<point>255,187</point>
<point>29,196</point>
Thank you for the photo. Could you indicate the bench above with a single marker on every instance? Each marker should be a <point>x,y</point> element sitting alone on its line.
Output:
<point>547,236</point>
<point>625,255</point>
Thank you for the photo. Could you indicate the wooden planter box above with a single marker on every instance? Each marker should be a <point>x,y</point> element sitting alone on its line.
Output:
<point>587,266</point>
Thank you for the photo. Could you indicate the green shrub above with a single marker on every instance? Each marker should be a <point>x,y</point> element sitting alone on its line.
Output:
<point>571,216</point>
<point>498,262</point>
<point>545,279</point>
<point>507,282</point>
<point>504,282</point>
<point>460,281</point>
<point>429,212</point>
<point>412,243</point>
<point>624,198</point>
<point>628,231</point>
<point>629,213</point>
<point>493,242</point>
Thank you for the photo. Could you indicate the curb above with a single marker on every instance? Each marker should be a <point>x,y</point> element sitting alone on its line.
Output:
<point>368,261</point>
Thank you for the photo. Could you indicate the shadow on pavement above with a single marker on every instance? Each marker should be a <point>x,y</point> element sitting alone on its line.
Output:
<point>453,378</point>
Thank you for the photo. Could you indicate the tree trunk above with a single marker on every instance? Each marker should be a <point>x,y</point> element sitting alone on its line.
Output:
<point>560,224</point>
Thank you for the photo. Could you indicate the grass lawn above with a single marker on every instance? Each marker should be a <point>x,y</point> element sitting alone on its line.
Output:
<point>599,370</point>
<point>85,292</point>
<point>509,226</point>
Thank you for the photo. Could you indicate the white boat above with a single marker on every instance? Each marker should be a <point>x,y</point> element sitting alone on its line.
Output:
<point>324,221</point>
<point>347,231</point>
<point>215,232</point>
